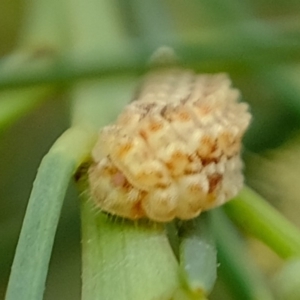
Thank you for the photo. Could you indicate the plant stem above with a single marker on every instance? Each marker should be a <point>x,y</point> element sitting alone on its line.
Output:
<point>151,20</point>
<point>198,256</point>
<point>30,266</point>
<point>96,31</point>
<point>42,26</point>
<point>125,260</point>
<point>242,277</point>
<point>259,218</point>
<point>206,57</point>
<point>287,282</point>
<point>39,42</point>
<point>14,104</point>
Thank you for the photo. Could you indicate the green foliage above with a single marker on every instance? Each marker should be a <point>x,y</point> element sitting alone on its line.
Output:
<point>256,216</point>
<point>32,257</point>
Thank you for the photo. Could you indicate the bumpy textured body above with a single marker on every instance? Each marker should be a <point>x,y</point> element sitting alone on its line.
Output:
<point>174,151</point>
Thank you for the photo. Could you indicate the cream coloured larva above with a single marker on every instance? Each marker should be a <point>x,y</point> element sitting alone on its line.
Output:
<point>174,151</point>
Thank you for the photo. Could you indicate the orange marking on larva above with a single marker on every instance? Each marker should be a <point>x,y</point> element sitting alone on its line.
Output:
<point>118,179</point>
<point>155,126</point>
<point>137,210</point>
<point>194,188</point>
<point>214,147</point>
<point>124,149</point>
<point>214,181</point>
<point>158,174</point>
<point>161,186</point>
<point>229,143</point>
<point>127,185</point>
<point>227,138</point>
<point>203,109</point>
<point>149,178</point>
<point>184,116</point>
<point>174,164</point>
<point>109,169</point>
<point>210,198</point>
<point>170,165</point>
<point>144,134</point>
<point>207,147</point>
<point>206,140</point>
<point>178,155</point>
<point>208,160</point>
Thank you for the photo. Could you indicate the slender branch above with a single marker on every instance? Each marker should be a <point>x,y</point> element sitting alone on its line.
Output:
<point>259,218</point>
<point>207,57</point>
<point>134,257</point>
<point>239,272</point>
<point>14,104</point>
<point>30,266</point>
<point>198,256</point>
<point>39,41</point>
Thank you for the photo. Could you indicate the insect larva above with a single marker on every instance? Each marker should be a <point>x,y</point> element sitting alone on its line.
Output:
<point>174,151</point>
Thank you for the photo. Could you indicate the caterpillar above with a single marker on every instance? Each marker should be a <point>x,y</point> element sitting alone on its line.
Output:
<point>174,151</point>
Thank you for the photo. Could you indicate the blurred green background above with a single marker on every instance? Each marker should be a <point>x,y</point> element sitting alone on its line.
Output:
<point>271,87</point>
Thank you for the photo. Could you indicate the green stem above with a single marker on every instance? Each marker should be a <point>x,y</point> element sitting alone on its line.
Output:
<point>40,40</point>
<point>14,104</point>
<point>125,260</point>
<point>96,30</point>
<point>241,276</point>
<point>287,282</point>
<point>43,27</point>
<point>198,256</point>
<point>260,219</point>
<point>207,57</point>
<point>153,33</point>
<point>30,266</point>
